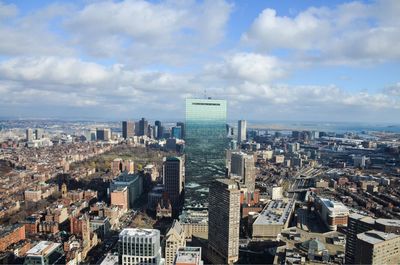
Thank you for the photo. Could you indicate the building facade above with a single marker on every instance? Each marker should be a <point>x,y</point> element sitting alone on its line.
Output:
<point>174,179</point>
<point>174,239</point>
<point>128,129</point>
<point>224,220</point>
<point>139,246</point>
<point>242,128</point>
<point>205,145</point>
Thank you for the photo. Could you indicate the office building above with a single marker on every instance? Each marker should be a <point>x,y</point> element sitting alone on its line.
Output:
<point>174,239</point>
<point>139,246</point>
<point>206,143</point>
<point>29,135</point>
<point>358,224</point>
<point>133,182</point>
<point>242,128</point>
<point>176,132</point>
<point>188,256</point>
<point>119,198</point>
<point>242,165</point>
<point>38,134</point>
<point>143,127</point>
<point>100,225</point>
<point>376,247</point>
<point>224,219</point>
<point>128,129</point>
<point>273,219</point>
<point>103,134</point>
<point>159,129</point>
<point>174,179</point>
<point>45,253</point>
<point>182,126</point>
<point>195,223</point>
<point>333,213</point>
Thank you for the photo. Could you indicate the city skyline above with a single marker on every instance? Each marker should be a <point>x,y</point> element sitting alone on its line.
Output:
<point>335,61</point>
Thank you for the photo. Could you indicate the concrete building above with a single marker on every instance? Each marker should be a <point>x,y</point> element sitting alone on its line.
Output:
<point>33,195</point>
<point>275,192</point>
<point>174,180</point>
<point>375,247</point>
<point>242,128</point>
<point>358,224</point>
<point>188,256</point>
<point>174,239</point>
<point>195,224</point>
<point>333,213</point>
<point>133,182</point>
<point>29,135</point>
<point>139,246</point>
<point>279,159</point>
<point>224,219</point>
<point>119,198</point>
<point>100,225</point>
<point>273,219</point>
<point>243,165</point>
<point>45,253</point>
<point>128,129</point>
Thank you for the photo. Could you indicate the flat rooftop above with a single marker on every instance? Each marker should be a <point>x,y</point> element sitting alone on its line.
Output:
<point>376,237</point>
<point>334,206</point>
<point>276,212</point>
<point>138,232</point>
<point>43,248</point>
<point>189,255</point>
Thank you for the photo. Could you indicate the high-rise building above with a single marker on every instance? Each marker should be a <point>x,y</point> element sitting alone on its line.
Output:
<point>224,219</point>
<point>159,130</point>
<point>188,256</point>
<point>143,127</point>
<point>176,132</point>
<point>38,134</point>
<point>358,224</point>
<point>29,134</point>
<point>376,247</point>
<point>206,143</point>
<point>174,180</point>
<point>139,246</point>
<point>242,128</point>
<point>174,239</point>
<point>128,129</point>
<point>182,126</point>
<point>243,165</point>
<point>103,134</point>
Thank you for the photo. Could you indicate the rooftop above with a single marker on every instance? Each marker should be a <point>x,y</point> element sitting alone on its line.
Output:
<point>276,212</point>
<point>376,237</point>
<point>110,259</point>
<point>334,206</point>
<point>43,248</point>
<point>138,232</point>
<point>189,255</point>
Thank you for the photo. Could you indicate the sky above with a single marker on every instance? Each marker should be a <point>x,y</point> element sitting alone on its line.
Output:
<point>271,60</point>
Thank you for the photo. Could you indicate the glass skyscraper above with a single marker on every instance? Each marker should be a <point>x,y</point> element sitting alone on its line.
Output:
<point>205,148</point>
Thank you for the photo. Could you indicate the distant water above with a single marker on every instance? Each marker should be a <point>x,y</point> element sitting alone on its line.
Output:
<point>338,127</point>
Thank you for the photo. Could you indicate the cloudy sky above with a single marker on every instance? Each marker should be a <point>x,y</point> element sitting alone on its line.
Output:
<point>272,60</point>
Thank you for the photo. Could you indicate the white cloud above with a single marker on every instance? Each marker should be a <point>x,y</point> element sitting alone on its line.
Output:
<point>248,66</point>
<point>351,33</point>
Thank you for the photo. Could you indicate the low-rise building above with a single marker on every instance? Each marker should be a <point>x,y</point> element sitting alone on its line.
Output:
<point>45,253</point>
<point>188,256</point>
<point>275,216</point>
<point>333,213</point>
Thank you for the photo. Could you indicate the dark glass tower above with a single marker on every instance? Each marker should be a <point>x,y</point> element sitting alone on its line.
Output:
<point>205,147</point>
